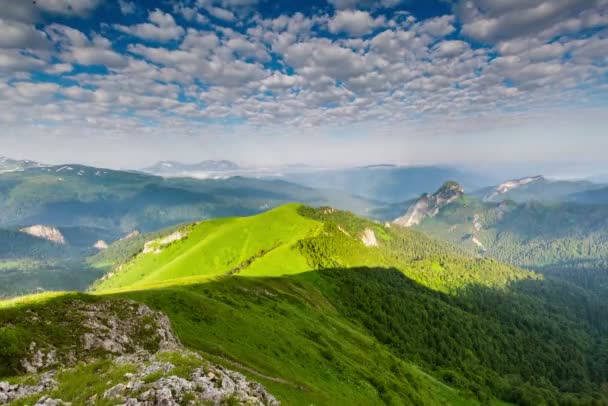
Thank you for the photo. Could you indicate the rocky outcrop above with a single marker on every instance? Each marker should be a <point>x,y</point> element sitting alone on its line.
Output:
<point>510,185</point>
<point>45,232</point>
<point>206,384</point>
<point>132,234</point>
<point>9,393</point>
<point>112,327</point>
<point>430,204</point>
<point>101,245</point>
<point>133,334</point>
<point>156,246</point>
<point>369,238</point>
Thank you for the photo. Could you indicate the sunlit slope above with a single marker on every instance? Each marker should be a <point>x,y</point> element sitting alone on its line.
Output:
<point>366,313</point>
<point>262,244</point>
<point>292,239</point>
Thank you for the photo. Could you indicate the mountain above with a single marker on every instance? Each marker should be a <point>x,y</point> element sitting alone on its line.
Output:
<point>305,302</point>
<point>564,238</point>
<point>594,196</point>
<point>388,183</point>
<point>536,188</point>
<point>14,165</point>
<point>120,202</point>
<point>88,207</point>
<point>430,204</point>
<point>173,168</point>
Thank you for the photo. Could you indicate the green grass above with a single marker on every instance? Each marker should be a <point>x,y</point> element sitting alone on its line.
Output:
<point>282,298</point>
<point>216,247</point>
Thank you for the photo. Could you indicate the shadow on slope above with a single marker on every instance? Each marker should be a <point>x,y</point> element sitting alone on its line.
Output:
<point>533,343</point>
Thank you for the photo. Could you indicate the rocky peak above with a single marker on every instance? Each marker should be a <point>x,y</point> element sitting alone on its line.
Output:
<point>45,232</point>
<point>510,185</point>
<point>428,205</point>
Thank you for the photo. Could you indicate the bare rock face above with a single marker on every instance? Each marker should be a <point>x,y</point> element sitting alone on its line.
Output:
<point>369,238</point>
<point>156,246</point>
<point>9,393</point>
<point>101,245</point>
<point>140,328</point>
<point>132,234</point>
<point>132,334</point>
<point>113,327</point>
<point>430,204</point>
<point>208,384</point>
<point>45,232</point>
<point>510,185</point>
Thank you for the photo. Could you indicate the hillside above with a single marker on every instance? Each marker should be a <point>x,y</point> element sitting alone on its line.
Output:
<point>94,205</point>
<point>564,238</point>
<point>323,307</point>
<point>536,188</point>
<point>293,239</point>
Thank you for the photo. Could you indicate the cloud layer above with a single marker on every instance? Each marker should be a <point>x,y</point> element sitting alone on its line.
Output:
<point>227,67</point>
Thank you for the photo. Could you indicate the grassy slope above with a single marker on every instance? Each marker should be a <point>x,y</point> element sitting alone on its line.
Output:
<point>352,336</point>
<point>281,332</point>
<point>567,239</point>
<point>217,247</point>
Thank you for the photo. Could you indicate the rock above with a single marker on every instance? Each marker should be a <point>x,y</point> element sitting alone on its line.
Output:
<point>45,232</point>
<point>101,245</point>
<point>164,397</point>
<point>156,246</point>
<point>510,185</point>
<point>51,402</point>
<point>430,204</point>
<point>369,238</point>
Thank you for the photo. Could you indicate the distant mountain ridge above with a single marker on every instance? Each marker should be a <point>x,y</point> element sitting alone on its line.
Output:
<point>13,165</point>
<point>543,228</point>
<point>430,204</point>
<point>537,188</point>
<point>174,168</point>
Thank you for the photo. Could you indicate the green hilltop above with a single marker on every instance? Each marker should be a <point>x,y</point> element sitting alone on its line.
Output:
<point>326,308</point>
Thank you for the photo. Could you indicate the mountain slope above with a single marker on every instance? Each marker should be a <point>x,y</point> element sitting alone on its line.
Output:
<point>393,319</point>
<point>294,239</point>
<point>172,168</point>
<point>14,165</point>
<point>566,239</point>
<point>95,206</point>
<point>535,188</point>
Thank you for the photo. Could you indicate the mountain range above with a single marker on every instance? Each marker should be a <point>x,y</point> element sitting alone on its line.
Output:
<point>319,306</point>
<point>222,291</point>
<point>546,226</point>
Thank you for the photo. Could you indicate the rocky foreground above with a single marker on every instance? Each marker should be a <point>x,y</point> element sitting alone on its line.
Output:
<point>119,336</point>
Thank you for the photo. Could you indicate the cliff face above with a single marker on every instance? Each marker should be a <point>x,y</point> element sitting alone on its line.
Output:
<point>510,185</point>
<point>429,204</point>
<point>45,232</point>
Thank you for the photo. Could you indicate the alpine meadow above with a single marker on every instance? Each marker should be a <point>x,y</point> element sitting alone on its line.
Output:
<point>330,202</point>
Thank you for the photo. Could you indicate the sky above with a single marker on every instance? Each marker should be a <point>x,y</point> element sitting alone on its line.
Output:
<point>327,82</point>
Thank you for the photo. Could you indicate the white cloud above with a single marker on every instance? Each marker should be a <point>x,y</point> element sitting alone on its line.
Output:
<point>77,48</point>
<point>363,4</point>
<point>126,7</point>
<point>162,27</point>
<point>289,75</point>
<point>354,23</point>
<point>68,7</point>
<point>20,35</point>
<point>450,49</point>
<point>491,21</point>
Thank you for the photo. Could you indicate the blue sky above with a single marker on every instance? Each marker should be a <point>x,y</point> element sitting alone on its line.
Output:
<point>337,82</point>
